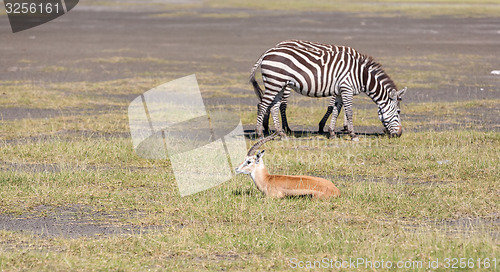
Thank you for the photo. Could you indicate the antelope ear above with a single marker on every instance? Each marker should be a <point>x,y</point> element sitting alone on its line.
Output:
<point>401,92</point>
<point>260,154</point>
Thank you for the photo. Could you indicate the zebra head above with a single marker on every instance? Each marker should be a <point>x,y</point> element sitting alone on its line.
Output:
<point>389,113</point>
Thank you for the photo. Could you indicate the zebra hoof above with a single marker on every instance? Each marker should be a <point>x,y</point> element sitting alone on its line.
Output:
<point>355,138</point>
<point>321,129</point>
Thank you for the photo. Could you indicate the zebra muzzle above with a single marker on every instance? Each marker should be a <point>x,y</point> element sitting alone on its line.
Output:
<point>397,133</point>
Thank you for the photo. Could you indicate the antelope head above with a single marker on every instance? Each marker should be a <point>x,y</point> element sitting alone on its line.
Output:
<point>250,163</point>
<point>254,159</point>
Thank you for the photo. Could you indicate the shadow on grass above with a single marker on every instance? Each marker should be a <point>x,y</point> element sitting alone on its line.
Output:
<point>252,135</point>
<point>241,192</point>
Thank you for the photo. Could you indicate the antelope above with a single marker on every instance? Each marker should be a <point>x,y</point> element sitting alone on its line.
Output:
<point>283,185</point>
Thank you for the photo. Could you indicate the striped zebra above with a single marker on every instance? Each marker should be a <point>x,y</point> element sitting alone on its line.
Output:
<point>284,100</point>
<point>319,70</point>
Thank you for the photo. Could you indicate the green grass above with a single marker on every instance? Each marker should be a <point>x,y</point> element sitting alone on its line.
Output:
<point>395,201</point>
<point>429,195</point>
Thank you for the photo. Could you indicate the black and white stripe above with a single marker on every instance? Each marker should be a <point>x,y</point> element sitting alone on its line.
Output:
<point>319,70</point>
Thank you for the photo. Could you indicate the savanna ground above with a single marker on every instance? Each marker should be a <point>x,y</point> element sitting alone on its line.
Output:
<point>75,196</point>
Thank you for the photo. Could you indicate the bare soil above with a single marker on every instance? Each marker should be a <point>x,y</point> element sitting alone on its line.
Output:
<point>72,222</point>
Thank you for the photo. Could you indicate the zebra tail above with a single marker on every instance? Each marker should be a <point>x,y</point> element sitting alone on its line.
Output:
<point>258,91</point>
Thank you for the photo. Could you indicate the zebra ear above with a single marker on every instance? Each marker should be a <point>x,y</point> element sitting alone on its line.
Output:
<point>393,94</point>
<point>401,92</point>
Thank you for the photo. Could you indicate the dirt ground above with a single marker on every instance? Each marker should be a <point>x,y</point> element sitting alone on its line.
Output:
<point>234,42</point>
<point>225,41</point>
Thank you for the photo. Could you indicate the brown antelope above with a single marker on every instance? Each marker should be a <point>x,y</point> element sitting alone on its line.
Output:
<point>282,185</point>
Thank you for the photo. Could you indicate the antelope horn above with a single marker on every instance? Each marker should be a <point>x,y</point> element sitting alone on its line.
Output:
<point>258,144</point>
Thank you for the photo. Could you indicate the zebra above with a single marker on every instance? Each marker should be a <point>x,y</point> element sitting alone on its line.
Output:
<point>319,70</point>
<point>283,104</point>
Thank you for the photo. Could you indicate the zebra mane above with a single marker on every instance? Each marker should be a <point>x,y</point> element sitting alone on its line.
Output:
<point>376,70</point>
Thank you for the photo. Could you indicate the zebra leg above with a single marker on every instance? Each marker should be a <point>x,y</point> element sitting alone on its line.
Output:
<point>261,113</point>
<point>345,123</point>
<point>271,101</point>
<point>337,106</point>
<point>275,115</point>
<point>265,122</point>
<point>325,118</point>
<point>284,122</point>
<point>327,114</point>
<point>347,100</point>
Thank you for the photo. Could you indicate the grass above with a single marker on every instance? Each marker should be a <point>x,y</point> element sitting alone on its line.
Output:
<point>395,205</point>
<point>429,195</point>
<point>438,71</point>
